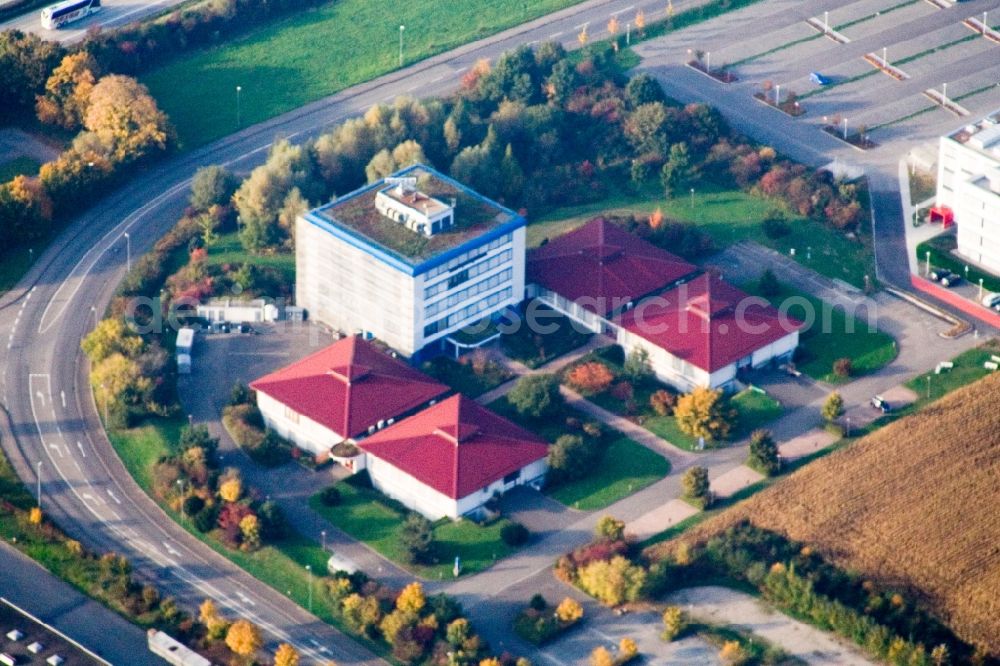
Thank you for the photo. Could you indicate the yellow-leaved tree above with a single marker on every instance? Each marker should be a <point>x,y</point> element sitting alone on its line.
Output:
<point>411,599</point>
<point>243,638</point>
<point>601,656</point>
<point>215,624</point>
<point>125,118</point>
<point>111,336</point>
<point>705,413</point>
<point>569,610</point>
<point>231,489</point>
<point>286,655</point>
<point>35,516</point>
<point>67,91</point>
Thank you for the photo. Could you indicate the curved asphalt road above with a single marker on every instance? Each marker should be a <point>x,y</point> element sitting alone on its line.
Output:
<point>48,413</point>
<point>113,13</point>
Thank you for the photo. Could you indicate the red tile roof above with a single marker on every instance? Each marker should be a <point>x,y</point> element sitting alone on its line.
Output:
<point>456,447</point>
<point>708,323</point>
<point>604,265</point>
<point>350,386</point>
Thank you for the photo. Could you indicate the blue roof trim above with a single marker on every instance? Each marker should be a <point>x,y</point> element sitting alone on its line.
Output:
<point>394,259</point>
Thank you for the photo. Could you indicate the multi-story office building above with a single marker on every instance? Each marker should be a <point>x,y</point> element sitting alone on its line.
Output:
<point>410,260</point>
<point>969,184</point>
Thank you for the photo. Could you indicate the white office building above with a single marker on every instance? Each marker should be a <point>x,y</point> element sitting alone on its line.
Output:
<point>409,259</point>
<point>969,184</point>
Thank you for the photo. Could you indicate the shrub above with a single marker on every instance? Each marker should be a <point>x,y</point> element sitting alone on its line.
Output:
<point>330,496</point>
<point>673,623</point>
<point>536,396</point>
<point>662,402</point>
<point>417,538</point>
<point>569,611</point>
<point>590,378</point>
<point>768,284</point>
<point>571,456</point>
<point>696,486</point>
<point>537,602</point>
<point>833,407</point>
<point>610,528</point>
<point>612,582</point>
<point>514,534</point>
<point>763,455</point>
<point>843,367</point>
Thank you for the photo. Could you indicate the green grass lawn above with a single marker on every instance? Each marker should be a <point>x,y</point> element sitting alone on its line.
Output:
<point>536,349</point>
<point>728,216</point>
<point>369,516</point>
<point>831,336</point>
<point>624,467</point>
<point>754,410</point>
<point>227,249</point>
<point>140,447</point>
<point>17,167</point>
<point>968,368</point>
<point>940,248</point>
<point>317,52</point>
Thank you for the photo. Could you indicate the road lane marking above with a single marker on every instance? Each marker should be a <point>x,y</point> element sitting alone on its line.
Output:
<point>112,495</point>
<point>80,446</point>
<point>62,394</point>
<point>58,450</point>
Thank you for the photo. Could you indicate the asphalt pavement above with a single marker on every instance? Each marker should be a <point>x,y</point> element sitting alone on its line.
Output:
<point>43,380</point>
<point>30,587</point>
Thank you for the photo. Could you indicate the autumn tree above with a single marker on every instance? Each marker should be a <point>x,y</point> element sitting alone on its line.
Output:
<point>244,638</point>
<point>250,530</point>
<point>833,407</point>
<point>627,649</point>
<point>677,170</point>
<point>209,615</point>
<point>118,383</point>
<point>416,535</point>
<point>67,91</point>
<point>35,515</point>
<point>571,456</point>
<point>286,655</point>
<point>613,581</point>
<point>763,455</point>
<point>704,413</point>
<point>212,185</point>
<point>536,396</point>
<point>411,598</point>
<point>696,485</point>
<point>386,162</point>
<point>124,117</point>
<point>843,367</point>
<point>569,610</point>
<point>610,528</point>
<point>111,336</point>
<point>662,402</point>
<point>590,378</point>
<point>732,653</point>
<point>673,623</point>
<point>25,63</point>
<point>231,486</point>
<point>362,613</point>
<point>601,656</point>
<point>645,129</point>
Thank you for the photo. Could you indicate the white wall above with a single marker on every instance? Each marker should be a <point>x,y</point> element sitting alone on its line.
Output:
<point>296,428</point>
<point>397,484</point>
<point>977,212</point>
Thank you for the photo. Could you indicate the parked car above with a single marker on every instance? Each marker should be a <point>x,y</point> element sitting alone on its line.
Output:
<point>991,300</point>
<point>880,404</point>
<point>246,328</point>
<point>819,79</point>
<point>951,280</point>
<point>939,274</point>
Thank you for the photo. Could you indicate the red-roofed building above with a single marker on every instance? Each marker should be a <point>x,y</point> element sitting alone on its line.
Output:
<point>449,459</point>
<point>595,271</point>
<point>704,332</point>
<point>344,391</point>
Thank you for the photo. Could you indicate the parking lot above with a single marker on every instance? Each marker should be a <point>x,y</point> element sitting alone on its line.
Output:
<point>931,46</point>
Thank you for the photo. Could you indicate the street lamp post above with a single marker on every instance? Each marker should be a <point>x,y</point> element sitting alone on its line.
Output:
<point>845,129</point>
<point>826,22</point>
<point>309,570</point>
<point>692,197</point>
<point>708,62</point>
<point>239,89</point>
<point>980,290</point>
<point>128,252</point>
<point>180,484</point>
<point>928,257</point>
<point>777,94</point>
<point>628,33</point>
<point>885,60</point>
<point>848,426</point>
<point>322,535</point>
<point>93,311</point>
<point>928,387</point>
<point>31,255</point>
<point>401,29</point>
<point>38,475</point>
<point>984,23</point>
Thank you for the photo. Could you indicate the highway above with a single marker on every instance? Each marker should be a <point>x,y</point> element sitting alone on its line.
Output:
<point>48,414</point>
<point>113,13</point>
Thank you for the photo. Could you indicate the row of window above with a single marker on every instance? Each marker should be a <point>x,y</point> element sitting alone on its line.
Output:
<point>466,257</point>
<point>468,313</point>
<point>467,274</point>
<point>454,299</point>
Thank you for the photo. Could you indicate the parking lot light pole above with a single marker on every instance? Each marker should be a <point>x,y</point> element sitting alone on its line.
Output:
<point>309,570</point>
<point>984,23</point>
<point>38,475</point>
<point>885,58</point>
<point>777,94</point>
<point>928,387</point>
<point>845,129</point>
<point>692,197</point>
<point>128,252</point>
<point>928,271</point>
<point>708,62</point>
<point>980,290</point>
<point>322,535</point>
<point>239,89</point>
<point>826,22</point>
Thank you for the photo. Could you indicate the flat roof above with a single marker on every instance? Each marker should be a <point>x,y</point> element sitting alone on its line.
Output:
<point>355,217</point>
<point>982,136</point>
<point>32,631</point>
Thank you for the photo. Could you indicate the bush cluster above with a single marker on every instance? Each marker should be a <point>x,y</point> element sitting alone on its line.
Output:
<point>539,623</point>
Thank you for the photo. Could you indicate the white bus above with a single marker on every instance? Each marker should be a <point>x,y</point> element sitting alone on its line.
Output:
<point>56,15</point>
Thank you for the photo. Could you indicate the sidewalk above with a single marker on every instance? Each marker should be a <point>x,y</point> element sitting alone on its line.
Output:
<point>553,366</point>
